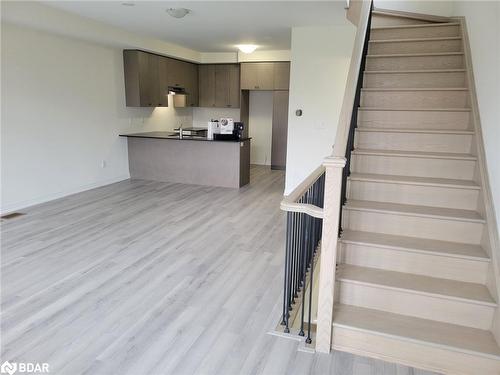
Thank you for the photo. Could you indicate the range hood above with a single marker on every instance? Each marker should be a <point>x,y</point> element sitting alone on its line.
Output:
<point>179,96</point>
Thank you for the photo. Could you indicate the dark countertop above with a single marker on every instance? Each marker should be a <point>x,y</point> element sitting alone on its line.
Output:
<point>170,135</point>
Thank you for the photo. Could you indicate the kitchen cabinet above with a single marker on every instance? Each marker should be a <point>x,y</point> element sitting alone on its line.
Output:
<point>279,129</point>
<point>257,76</point>
<point>148,76</point>
<point>281,75</point>
<point>219,85</point>
<point>206,85</point>
<point>142,83</point>
<point>184,74</point>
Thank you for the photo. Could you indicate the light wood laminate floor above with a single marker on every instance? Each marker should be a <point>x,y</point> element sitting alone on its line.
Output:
<point>143,277</point>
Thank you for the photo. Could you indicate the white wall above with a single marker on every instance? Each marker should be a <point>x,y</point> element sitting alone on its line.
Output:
<point>438,8</point>
<point>260,126</point>
<point>63,107</point>
<point>319,67</point>
<point>483,24</point>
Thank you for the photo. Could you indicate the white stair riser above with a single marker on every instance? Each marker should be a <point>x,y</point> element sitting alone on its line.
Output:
<point>425,195</point>
<point>365,255</point>
<point>446,310</point>
<point>379,20</point>
<point>411,353</point>
<point>415,99</point>
<point>413,226</point>
<point>416,80</point>
<point>414,166</point>
<point>378,140</point>
<point>415,62</point>
<point>414,119</point>
<point>381,48</point>
<point>415,32</point>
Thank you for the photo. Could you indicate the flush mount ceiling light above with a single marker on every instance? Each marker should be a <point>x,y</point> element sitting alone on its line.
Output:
<point>128,4</point>
<point>247,48</point>
<point>178,12</point>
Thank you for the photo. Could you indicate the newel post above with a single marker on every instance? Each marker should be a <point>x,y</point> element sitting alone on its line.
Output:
<point>333,186</point>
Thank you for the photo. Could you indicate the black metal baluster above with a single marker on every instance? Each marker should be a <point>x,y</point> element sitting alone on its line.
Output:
<point>286,278</point>
<point>304,270</point>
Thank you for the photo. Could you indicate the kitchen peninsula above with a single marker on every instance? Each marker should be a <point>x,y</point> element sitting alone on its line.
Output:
<point>163,156</point>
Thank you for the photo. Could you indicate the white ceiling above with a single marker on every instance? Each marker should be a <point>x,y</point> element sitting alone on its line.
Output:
<point>213,26</point>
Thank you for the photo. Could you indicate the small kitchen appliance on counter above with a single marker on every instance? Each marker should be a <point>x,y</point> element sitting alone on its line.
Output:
<point>229,130</point>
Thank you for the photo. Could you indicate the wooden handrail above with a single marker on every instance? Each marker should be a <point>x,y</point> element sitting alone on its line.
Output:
<point>290,204</point>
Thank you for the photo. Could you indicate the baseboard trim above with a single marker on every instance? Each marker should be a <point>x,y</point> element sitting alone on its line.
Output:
<point>20,205</point>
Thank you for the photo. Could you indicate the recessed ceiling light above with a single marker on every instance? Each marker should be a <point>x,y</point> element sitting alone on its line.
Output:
<point>247,48</point>
<point>128,4</point>
<point>178,12</point>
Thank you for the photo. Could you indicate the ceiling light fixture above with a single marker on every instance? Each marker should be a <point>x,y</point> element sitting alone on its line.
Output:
<point>247,48</point>
<point>128,4</point>
<point>178,12</point>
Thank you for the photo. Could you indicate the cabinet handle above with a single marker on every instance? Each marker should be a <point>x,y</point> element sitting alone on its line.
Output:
<point>228,105</point>
<point>257,87</point>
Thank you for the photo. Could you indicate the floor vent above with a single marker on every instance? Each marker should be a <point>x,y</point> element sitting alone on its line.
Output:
<point>12,215</point>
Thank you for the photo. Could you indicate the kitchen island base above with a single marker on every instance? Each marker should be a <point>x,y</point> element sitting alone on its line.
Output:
<point>212,163</point>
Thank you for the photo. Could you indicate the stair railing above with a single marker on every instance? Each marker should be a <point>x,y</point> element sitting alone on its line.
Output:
<point>336,174</point>
<point>304,208</point>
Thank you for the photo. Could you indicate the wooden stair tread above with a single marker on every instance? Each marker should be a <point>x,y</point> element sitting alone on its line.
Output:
<point>414,71</point>
<point>440,24</point>
<point>427,181</point>
<point>413,16</point>
<point>434,247</point>
<point>449,336</point>
<point>414,210</point>
<point>442,288</point>
<point>456,109</point>
<point>416,154</point>
<point>415,54</point>
<point>415,39</point>
<point>391,89</point>
<point>410,130</point>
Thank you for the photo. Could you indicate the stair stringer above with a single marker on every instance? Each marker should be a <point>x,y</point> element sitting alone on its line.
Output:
<point>490,241</point>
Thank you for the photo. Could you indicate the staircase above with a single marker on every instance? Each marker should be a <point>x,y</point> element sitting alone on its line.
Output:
<point>412,273</point>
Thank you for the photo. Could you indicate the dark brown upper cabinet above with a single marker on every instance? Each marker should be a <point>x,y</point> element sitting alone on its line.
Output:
<point>219,85</point>
<point>281,75</point>
<point>148,76</point>
<point>143,87</point>
<point>257,76</point>
<point>184,74</point>
<point>206,85</point>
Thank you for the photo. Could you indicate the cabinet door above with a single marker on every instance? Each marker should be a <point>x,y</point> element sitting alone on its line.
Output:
<point>206,85</point>
<point>177,73</point>
<point>221,86</point>
<point>249,76</point>
<point>257,76</point>
<point>265,76</point>
<point>192,84</point>
<point>163,81</point>
<point>234,86</point>
<point>280,130</point>
<point>281,75</point>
